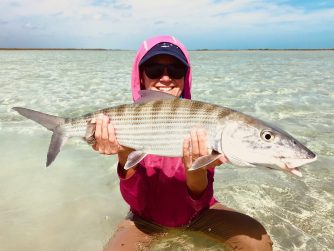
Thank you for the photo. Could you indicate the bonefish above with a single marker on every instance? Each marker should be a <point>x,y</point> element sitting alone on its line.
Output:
<point>159,122</point>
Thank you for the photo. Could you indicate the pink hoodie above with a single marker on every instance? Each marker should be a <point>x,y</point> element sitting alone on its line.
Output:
<point>157,191</point>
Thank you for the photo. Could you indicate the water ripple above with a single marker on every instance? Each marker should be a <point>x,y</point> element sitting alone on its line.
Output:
<point>294,90</point>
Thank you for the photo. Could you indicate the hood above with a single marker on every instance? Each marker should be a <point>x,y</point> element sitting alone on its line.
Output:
<point>144,48</point>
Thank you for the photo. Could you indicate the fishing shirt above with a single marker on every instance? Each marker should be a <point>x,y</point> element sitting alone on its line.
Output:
<point>157,191</point>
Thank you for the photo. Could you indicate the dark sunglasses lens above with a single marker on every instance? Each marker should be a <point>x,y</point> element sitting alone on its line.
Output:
<point>176,71</point>
<point>154,70</point>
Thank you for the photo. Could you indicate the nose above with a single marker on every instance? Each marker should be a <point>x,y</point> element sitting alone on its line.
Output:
<point>165,77</point>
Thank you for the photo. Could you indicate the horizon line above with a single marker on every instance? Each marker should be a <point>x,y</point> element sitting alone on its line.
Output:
<point>103,49</point>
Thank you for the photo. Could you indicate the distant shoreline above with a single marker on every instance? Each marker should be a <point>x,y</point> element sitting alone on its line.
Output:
<point>56,49</point>
<point>100,49</point>
<point>330,49</point>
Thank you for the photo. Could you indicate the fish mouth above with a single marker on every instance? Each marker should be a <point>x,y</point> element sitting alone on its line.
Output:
<point>294,170</point>
<point>291,165</point>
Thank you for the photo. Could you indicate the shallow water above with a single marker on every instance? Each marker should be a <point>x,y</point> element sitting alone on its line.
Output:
<point>76,204</point>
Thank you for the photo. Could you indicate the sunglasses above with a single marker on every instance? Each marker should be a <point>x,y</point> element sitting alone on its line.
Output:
<point>155,70</point>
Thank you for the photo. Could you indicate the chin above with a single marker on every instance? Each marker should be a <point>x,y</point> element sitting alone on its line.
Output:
<point>174,92</point>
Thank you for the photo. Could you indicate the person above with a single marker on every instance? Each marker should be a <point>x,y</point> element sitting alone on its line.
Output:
<point>161,192</point>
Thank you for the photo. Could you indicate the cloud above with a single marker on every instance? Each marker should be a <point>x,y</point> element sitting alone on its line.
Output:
<point>57,14</point>
<point>31,26</point>
<point>102,2</point>
<point>3,22</point>
<point>14,3</point>
<point>134,20</point>
<point>122,6</point>
<point>200,13</point>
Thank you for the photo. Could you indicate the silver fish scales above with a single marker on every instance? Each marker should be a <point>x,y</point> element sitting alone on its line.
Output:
<point>159,122</point>
<point>159,127</point>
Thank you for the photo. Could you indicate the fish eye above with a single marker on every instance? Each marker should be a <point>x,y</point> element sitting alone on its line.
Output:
<point>267,135</point>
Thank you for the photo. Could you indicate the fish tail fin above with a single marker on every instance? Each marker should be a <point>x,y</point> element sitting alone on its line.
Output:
<point>52,123</point>
<point>49,121</point>
<point>57,141</point>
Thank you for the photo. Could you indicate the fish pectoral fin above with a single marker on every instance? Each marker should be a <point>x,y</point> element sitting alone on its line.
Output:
<point>134,158</point>
<point>205,160</point>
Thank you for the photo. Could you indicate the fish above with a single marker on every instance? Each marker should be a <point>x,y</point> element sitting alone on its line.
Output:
<point>159,122</point>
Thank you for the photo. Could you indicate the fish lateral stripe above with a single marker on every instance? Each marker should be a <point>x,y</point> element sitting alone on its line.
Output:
<point>160,126</point>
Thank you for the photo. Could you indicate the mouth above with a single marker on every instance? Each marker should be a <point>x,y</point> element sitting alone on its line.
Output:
<point>164,88</point>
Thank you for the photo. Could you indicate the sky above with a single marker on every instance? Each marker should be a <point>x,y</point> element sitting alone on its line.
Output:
<point>199,24</point>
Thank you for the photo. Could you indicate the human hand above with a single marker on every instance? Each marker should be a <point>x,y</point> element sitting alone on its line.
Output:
<point>106,141</point>
<point>195,146</point>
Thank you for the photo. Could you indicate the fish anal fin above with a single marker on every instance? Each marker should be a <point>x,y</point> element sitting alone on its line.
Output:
<point>134,158</point>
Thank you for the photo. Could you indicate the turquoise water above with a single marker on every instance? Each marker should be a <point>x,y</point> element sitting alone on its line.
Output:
<point>76,204</point>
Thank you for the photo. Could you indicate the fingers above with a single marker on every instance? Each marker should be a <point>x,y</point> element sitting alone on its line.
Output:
<point>113,144</point>
<point>187,158</point>
<point>98,129</point>
<point>106,142</point>
<point>104,130</point>
<point>198,143</point>
<point>100,143</point>
<point>202,142</point>
<point>196,146</point>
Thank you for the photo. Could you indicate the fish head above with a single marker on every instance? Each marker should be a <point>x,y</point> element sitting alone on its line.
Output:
<point>247,141</point>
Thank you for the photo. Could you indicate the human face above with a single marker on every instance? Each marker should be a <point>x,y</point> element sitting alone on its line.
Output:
<point>164,83</point>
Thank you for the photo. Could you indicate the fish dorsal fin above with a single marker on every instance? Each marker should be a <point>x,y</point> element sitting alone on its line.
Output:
<point>149,95</point>
<point>134,158</point>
